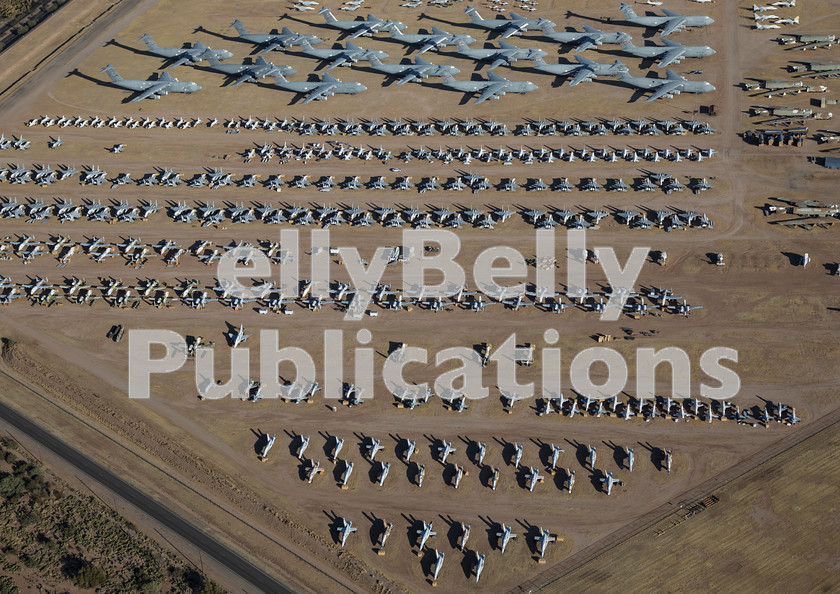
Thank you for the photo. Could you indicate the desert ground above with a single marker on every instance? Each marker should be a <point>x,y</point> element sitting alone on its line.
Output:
<point>200,456</point>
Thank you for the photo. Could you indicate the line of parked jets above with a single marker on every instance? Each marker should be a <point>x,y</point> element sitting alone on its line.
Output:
<point>400,127</point>
<point>493,87</point>
<point>326,215</point>
<point>761,16</point>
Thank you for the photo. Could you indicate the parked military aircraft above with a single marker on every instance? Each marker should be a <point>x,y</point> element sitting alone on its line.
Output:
<point>367,27</point>
<point>504,537</point>
<point>425,533</point>
<point>589,38</point>
<point>585,70</point>
<point>494,87</point>
<point>349,54</point>
<point>515,25</point>
<point>609,481</point>
<point>505,54</point>
<point>543,538</point>
<point>671,53</point>
<point>429,41</point>
<point>259,69</point>
<point>345,530</point>
<point>273,41</point>
<point>672,84</point>
<point>153,89</point>
<point>670,23</point>
<point>320,90</point>
<point>411,72</point>
<point>196,53</point>
<point>238,337</point>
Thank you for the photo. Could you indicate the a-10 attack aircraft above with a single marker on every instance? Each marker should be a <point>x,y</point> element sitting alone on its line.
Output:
<point>671,53</point>
<point>151,89</point>
<point>367,27</point>
<point>326,87</point>
<point>515,25</point>
<point>411,72</point>
<point>274,41</point>
<point>494,87</point>
<point>196,53</point>
<point>670,23</point>
<point>672,84</point>
<point>589,38</point>
<point>260,68</point>
<point>435,40</point>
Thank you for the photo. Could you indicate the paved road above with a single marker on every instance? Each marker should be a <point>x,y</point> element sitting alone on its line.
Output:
<point>230,559</point>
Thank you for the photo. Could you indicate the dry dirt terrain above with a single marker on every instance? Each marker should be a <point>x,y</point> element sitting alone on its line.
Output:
<point>200,456</point>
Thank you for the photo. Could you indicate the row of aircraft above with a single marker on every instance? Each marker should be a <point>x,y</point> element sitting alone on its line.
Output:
<point>482,154</point>
<point>327,215</point>
<point>400,127</point>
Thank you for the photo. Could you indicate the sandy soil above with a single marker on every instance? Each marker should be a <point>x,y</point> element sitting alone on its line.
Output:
<point>780,318</point>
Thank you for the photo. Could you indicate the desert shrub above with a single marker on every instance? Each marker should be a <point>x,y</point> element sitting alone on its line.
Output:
<point>90,576</point>
<point>7,585</point>
<point>11,486</point>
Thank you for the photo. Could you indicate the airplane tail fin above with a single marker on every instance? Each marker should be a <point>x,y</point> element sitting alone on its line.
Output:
<point>112,73</point>
<point>473,13</point>
<point>150,43</point>
<point>419,60</point>
<point>328,15</point>
<point>673,75</point>
<point>628,11</point>
<point>240,28</point>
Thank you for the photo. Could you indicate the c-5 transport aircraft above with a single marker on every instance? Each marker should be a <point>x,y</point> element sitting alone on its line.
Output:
<point>151,89</point>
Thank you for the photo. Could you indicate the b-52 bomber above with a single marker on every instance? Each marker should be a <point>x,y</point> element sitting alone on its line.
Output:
<point>320,90</point>
<point>274,41</point>
<point>809,213</point>
<point>435,40</point>
<point>670,23</point>
<point>494,87</point>
<point>151,89</point>
<point>515,25</point>
<point>671,53</point>
<point>367,27</point>
<point>196,53</point>
<point>505,54</point>
<point>260,68</point>
<point>411,72</point>
<point>589,38</point>
<point>672,84</point>
<point>350,54</point>
<point>585,70</point>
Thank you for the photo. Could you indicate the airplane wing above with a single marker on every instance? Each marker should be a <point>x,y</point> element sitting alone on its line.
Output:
<point>513,29</point>
<point>365,28</point>
<point>585,44</point>
<point>154,90</point>
<point>489,91</point>
<point>671,56</point>
<point>184,59</point>
<point>429,45</point>
<point>498,62</point>
<point>412,75</point>
<point>318,91</point>
<point>338,61</point>
<point>668,87</point>
<point>676,23</point>
<point>582,75</point>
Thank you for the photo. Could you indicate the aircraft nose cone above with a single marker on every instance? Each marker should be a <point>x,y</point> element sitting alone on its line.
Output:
<point>711,87</point>
<point>361,88</point>
<point>712,52</point>
<point>226,54</point>
<point>196,86</point>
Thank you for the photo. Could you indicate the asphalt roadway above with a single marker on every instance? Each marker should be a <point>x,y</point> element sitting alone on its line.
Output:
<point>143,502</point>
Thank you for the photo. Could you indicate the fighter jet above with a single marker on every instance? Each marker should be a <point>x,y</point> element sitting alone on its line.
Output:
<point>589,38</point>
<point>672,84</point>
<point>445,450</point>
<point>670,23</point>
<point>430,41</point>
<point>504,537</point>
<point>609,481</point>
<point>543,538</point>
<point>424,533</point>
<point>479,565</point>
<point>671,53</point>
<point>506,54</point>
<point>533,477</point>
<point>196,53</point>
<point>411,72</point>
<point>516,25</point>
<point>494,87</point>
<point>356,28</point>
<point>238,337</point>
<point>584,71</point>
<point>326,87</point>
<point>153,89</point>
<point>373,447</point>
<point>274,41</point>
<point>259,69</point>
<point>349,54</point>
<point>345,530</point>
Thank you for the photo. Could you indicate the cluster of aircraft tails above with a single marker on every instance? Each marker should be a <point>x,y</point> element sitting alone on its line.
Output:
<point>493,87</point>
